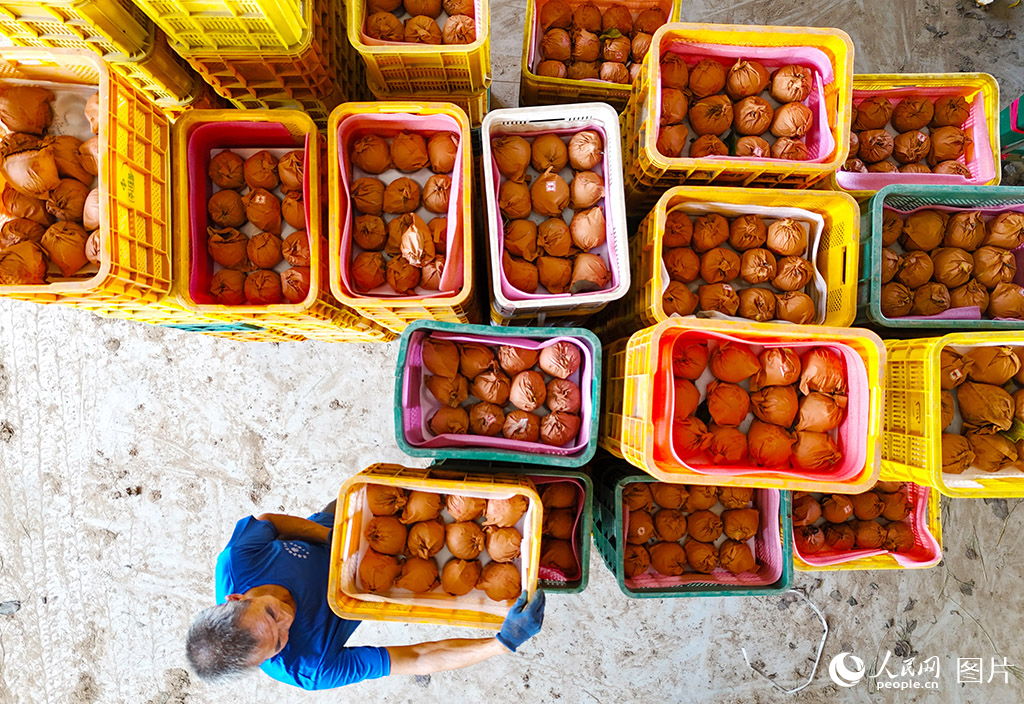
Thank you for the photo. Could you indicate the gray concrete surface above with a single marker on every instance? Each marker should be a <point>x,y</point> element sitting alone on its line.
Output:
<point>128,452</point>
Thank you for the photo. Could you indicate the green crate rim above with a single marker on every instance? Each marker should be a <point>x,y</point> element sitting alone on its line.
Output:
<point>869,286</point>
<point>470,453</point>
<point>586,525</point>
<point>622,472</point>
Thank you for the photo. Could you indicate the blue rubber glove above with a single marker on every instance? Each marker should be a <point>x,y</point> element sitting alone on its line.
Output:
<point>523,621</point>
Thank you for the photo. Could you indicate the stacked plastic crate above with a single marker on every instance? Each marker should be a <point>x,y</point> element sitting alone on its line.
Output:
<point>448,61</point>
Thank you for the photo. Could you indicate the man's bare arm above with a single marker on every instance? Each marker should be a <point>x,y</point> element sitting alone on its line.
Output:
<point>295,528</point>
<point>437,656</point>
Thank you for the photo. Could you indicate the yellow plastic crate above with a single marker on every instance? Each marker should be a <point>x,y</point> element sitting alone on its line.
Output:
<point>403,69</point>
<point>838,253</point>
<point>545,90</point>
<point>113,29</point>
<point>884,562</point>
<point>348,536</point>
<point>475,105</point>
<point>319,313</point>
<point>133,181</point>
<point>981,92</point>
<point>242,25</point>
<point>630,377</point>
<point>648,173</point>
<point>397,313</point>
<point>163,75</point>
<point>911,436</point>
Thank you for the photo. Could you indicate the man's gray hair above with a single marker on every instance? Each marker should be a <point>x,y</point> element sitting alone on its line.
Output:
<point>219,648</point>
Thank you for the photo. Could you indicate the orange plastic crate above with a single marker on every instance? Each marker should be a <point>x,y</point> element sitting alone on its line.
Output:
<point>632,372</point>
<point>397,313</point>
<point>133,182</point>
<point>342,592</point>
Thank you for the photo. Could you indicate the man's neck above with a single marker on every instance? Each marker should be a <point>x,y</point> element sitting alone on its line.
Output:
<point>276,591</point>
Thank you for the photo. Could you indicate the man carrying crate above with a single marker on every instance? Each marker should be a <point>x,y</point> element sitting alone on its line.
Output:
<point>272,613</point>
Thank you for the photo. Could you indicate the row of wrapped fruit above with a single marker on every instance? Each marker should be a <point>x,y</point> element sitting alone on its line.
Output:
<point>50,200</point>
<point>935,260</point>
<point>836,523</point>
<point>518,393</point>
<point>760,251</point>
<point>652,538</point>
<point>982,399</point>
<point>589,43</point>
<point>422,23</point>
<point>796,402</point>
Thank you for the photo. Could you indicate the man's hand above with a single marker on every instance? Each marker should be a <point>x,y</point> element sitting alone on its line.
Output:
<point>524,621</point>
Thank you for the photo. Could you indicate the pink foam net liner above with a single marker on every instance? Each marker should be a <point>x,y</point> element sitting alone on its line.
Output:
<point>981,164</point>
<point>926,552</point>
<point>766,547</point>
<point>967,312</point>
<point>553,574</point>
<point>201,142</point>
<point>419,405</point>
<point>388,126</point>
<point>851,435</point>
<point>819,140</point>
<point>613,255</point>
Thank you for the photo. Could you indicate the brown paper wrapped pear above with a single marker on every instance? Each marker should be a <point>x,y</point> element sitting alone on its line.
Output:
<point>64,243</point>
<point>711,115</point>
<point>793,274</point>
<point>459,29</point>
<point>953,368</point>
<point>559,523</point>
<point>418,575</point>
<point>465,540</point>
<point>371,154</point>
<point>227,287</point>
<point>719,297</point>
<point>459,577</point>
<point>892,226</point>
<point>556,45</point>
<point>701,497</point>
<point>402,277</point>
<point>1006,230</point>
<point>951,266</point>
<point>264,250</point>
<point>522,426</point>
<point>924,231</point>
<point>809,540</point>
<point>707,78</point>
<point>421,506</point>
<point>839,537</point>
<point>994,265</point>
<point>702,557</point>
<point>226,209</point>
<point>786,237</point>
<point>672,140</point>
<point>957,455</point>
<point>23,263</point>
<point>733,362</point>
<point>704,525</point>
<point>262,209</point>
<point>260,171</point>
<point>727,403</point>
<point>690,359</point>
<point>719,265</point>
<point>491,386</point>
<point>912,113</point>
<point>872,113</point>
<point>821,412</point>
<point>503,544</point>
<point>293,210</point>
<point>775,404</point>
<point>984,408</point>
<point>442,150</point>
<point>806,510</point>
<point>670,524</point>
<point>823,370</point>
<point>385,27</point>
<point>440,356</point>
<point>891,263</point>
<point>425,539</point>
<point>727,446</point>
<point>868,535</point>
<point>679,300</point>
<point>500,581</point>
<point>895,506</point>
<point>747,232</point>
<point>449,391</point>
<point>514,200</point>
<point>586,149</point>
<point>378,572</point>
<point>636,560</point>
<point>228,247</point>
<point>995,364</point>
<point>512,156</point>
<point>791,84</point>
<point>637,496</point>
<point>671,496</point>
<point>668,558</point>
<point>1006,301</point>
<point>465,508</point>
<point>991,452</point>
<point>475,359</point>
<point>385,500</point>
<point>386,535</point>
<point>290,171</point>
<point>690,437</point>
<point>263,287</point>
<point>486,419</point>
<point>948,409</point>
<point>735,496</point>
<point>295,284</point>
<point>814,451</point>
<point>736,557</point>
<point>948,143</point>
<point>449,420</point>
<point>369,232</point>
<point>558,428</point>
<point>505,513</point>
<point>558,554</point>
<point>837,508</point>
<point>899,537</point>
<point>558,495</point>
<point>779,366</point>
<point>741,523</point>
<point>640,528</point>
<point>437,192</point>
<point>516,359</point>
<point>769,445</point>
<point>687,398</point>
<point>521,275</point>
<point>683,264</point>
<point>867,506</point>
<point>549,152</point>
<point>757,266</point>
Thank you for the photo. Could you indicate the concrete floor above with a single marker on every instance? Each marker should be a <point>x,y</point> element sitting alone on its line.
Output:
<point>128,452</point>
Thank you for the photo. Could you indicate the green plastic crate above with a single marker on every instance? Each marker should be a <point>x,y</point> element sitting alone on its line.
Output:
<point>903,197</point>
<point>578,585</point>
<point>1011,127</point>
<point>610,475</point>
<point>581,458</point>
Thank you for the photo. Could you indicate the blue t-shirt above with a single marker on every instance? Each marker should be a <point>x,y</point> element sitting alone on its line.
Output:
<point>315,656</point>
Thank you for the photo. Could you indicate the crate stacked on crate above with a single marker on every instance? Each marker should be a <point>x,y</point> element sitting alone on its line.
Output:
<point>257,258</point>
<point>401,238</point>
<point>931,129</point>
<point>523,395</point>
<point>116,30</point>
<point>556,219</point>
<point>411,56</point>
<point>266,54</point>
<point>434,545</point>
<point>672,250</point>
<point>807,74</point>
<point>567,497</point>
<point>563,57</point>
<point>1011,130</point>
<point>738,540</point>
